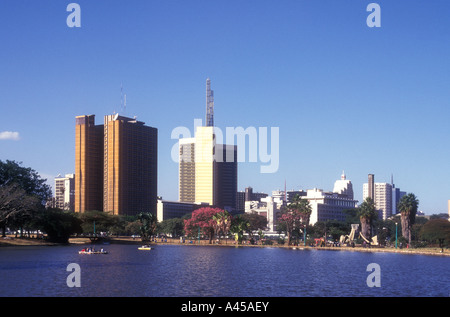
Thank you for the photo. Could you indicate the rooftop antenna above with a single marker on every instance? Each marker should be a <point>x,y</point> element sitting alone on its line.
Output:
<point>209,104</point>
<point>123,100</point>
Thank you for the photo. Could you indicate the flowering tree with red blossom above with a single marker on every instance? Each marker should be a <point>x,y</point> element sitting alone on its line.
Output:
<point>203,221</point>
<point>297,214</point>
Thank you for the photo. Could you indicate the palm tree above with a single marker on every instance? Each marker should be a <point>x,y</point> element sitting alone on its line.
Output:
<point>222,223</point>
<point>367,214</point>
<point>238,226</point>
<point>407,206</point>
<point>148,225</point>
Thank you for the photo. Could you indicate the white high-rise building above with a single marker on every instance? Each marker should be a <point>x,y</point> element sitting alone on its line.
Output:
<point>382,198</point>
<point>65,192</point>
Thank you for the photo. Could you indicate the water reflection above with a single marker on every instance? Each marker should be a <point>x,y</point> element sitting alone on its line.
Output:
<point>218,271</point>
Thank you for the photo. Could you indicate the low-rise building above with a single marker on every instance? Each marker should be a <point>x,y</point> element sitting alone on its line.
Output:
<point>174,209</point>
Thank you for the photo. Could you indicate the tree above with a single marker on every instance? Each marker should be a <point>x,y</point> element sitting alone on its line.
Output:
<point>94,221</point>
<point>295,216</point>
<point>367,214</point>
<point>255,222</point>
<point>16,206</point>
<point>407,206</point>
<point>202,221</point>
<point>173,227</point>
<point>436,230</point>
<point>239,225</point>
<point>222,223</point>
<point>302,207</point>
<point>58,224</point>
<point>148,225</point>
<point>26,178</point>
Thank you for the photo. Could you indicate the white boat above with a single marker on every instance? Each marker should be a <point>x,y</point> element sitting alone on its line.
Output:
<point>145,247</point>
<point>92,251</point>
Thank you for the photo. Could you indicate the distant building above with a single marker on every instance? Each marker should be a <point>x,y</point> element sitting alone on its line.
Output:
<point>65,192</point>
<point>328,205</point>
<point>449,209</point>
<point>331,205</point>
<point>397,194</point>
<point>266,207</point>
<point>247,195</point>
<point>174,209</point>
<point>386,198</point>
<point>343,187</point>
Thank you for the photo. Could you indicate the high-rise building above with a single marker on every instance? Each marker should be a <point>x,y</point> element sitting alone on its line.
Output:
<point>115,165</point>
<point>207,170</point>
<point>386,198</point>
<point>187,170</point>
<point>65,192</point>
<point>382,198</point>
<point>88,164</point>
<point>130,166</point>
<point>371,187</point>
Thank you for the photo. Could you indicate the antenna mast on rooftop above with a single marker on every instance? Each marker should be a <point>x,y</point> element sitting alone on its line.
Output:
<point>123,100</point>
<point>209,104</point>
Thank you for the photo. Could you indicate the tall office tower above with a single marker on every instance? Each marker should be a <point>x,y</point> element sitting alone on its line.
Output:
<point>371,186</point>
<point>115,165</point>
<point>187,170</point>
<point>65,192</point>
<point>225,177</point>
<point>204,165</point>
<point>208,171</point>
<point>88,164</point>
<point>130,166</point>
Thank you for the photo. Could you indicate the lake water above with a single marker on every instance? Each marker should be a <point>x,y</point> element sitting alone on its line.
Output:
<point>208,271</point>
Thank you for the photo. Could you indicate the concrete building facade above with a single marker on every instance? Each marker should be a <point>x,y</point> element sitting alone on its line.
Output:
<point>65,192</point>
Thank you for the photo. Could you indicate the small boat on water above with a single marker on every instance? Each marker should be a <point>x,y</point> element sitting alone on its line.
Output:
<point>92,251</point>
<point>145,247</point>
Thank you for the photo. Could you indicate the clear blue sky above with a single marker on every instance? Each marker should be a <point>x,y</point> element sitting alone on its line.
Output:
<point>344,96</point>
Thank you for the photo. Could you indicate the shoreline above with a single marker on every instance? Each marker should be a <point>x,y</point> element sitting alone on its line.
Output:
<point>18,242</point>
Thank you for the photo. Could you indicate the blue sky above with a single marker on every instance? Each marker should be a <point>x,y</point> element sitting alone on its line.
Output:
<point>344,96</point>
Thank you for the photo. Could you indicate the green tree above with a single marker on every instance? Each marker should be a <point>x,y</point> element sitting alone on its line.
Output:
<point>301,207</point>
<point>148,225</point>
<point>59,225</point>
<point>94,221</point>
<point>22,192</point>
<point>367,214</point>
<point>407,206</point>
<point>239,225</point>
<point>173,227</point>
<point>437,230</point>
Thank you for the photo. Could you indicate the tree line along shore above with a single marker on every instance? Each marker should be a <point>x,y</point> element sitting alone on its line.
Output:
<point>23,210</point>
<point>17,242</point>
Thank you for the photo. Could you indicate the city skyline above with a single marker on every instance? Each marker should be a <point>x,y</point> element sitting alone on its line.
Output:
<point>344,96</point>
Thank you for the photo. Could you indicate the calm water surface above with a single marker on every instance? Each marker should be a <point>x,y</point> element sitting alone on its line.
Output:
<point>218,271</point>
